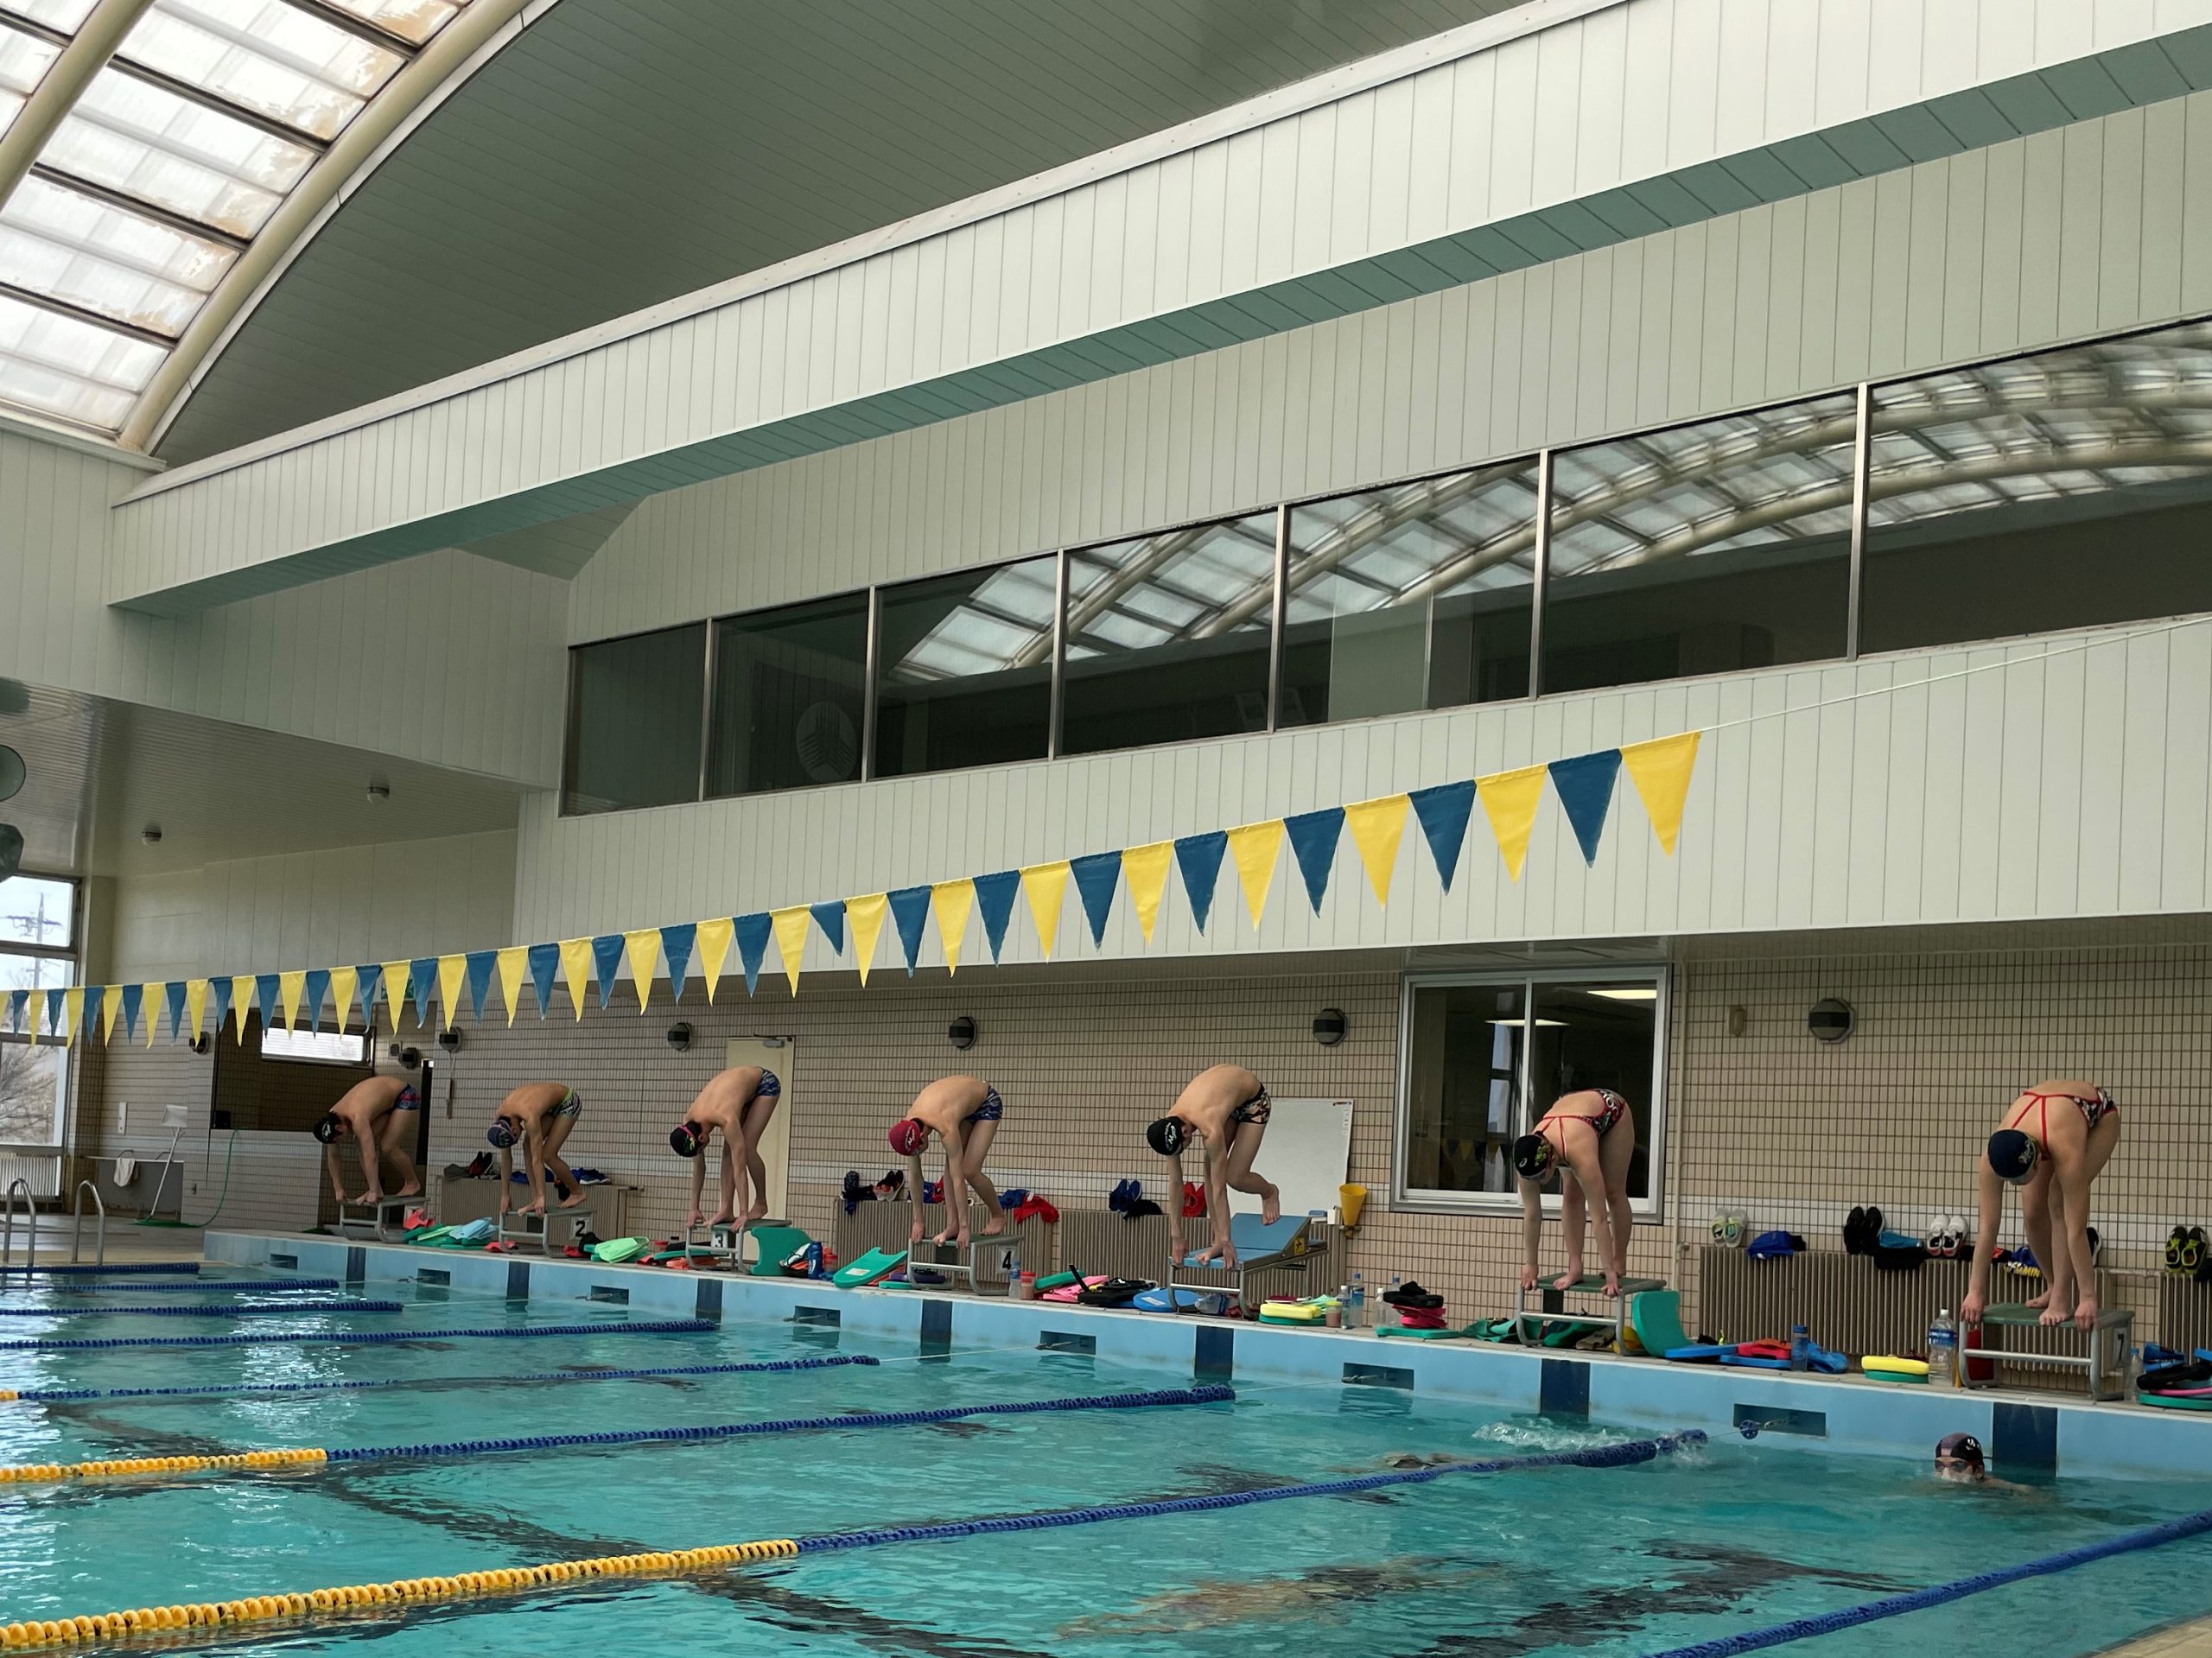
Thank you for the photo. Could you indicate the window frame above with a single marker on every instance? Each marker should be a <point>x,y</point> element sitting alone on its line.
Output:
<point>1650,1210</point>
<point>65,1082</point>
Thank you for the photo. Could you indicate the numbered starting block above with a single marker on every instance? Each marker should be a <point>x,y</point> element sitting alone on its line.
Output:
<point>1529,1323</point>
<point>385,1220</point>
<point>758,1249</point>
<point>550,1233</point>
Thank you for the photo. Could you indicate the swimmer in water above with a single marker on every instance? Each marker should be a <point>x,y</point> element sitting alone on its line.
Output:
<point>964,1114</point>
<point>1226,1110</point>
<point>539,1117</point>
<point>739,1101</point>
<point>379,1113</point>
<point>2053,1156</point>
<point>1589,1137</point>
<point>1959,1460</point>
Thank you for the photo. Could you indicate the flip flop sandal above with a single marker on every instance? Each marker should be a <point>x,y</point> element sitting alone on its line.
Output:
<point>2176,1240</point>
<point>2096,1245</point>
<point>1728,1229</point>
<point>2192,1250</point>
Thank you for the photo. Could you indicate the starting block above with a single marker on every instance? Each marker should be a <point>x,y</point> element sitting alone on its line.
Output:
<point>1260,1248</point>
<point>946,1261</point>
<point>553,1231</point>
<point>1529,1325</point>
<point>2105,1362</point>
<point>758,1249</point>
<point>385,1220</point>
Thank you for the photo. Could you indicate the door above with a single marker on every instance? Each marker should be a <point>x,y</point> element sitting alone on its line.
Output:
<point>774,1053</point>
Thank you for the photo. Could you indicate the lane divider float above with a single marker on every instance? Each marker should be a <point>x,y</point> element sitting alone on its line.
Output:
<point>366,1337</point>
<point>204,1285</point>
<point>113,1268</point>
<point>221,1310</point>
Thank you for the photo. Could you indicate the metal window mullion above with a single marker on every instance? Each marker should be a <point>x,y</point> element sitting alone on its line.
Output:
<point>706,710</point>
<point>274,125</point>
<point>1862,451</point>
<point>1541,590</point>
<point>124,202</point>
<point>339,18</point>
<point>1057,713</point>
<point>1275,618</point>
<point>869,673</point>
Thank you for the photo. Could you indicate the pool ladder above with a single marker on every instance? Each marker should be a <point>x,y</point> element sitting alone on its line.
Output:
<point>77,1224</point>
<point>8,1229</point>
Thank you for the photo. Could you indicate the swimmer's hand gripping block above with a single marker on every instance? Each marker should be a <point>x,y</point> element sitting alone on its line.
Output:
<point>1255,1240</point>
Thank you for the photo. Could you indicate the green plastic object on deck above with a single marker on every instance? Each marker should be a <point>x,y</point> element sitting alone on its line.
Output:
<point>1054,1281</point>
<point>776,1244</point>
<point>1469,1334</point>
<point>874,1265</point>
<point>2165,1401</point>
<point>1656,1318</point>
<point>615,1251</point>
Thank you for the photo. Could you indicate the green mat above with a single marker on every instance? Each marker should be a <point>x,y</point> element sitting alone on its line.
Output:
<point>2164,1402</point>
<point>874,1265</point>
<point>1427,1334</point>
<point>1655,1315</point>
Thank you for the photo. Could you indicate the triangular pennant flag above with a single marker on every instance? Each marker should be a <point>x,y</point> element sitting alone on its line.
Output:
<point>421,982</point>
<point>713,938</point>
<point>368,977</point>
<point>1045,885</point>
<point>866,912</point>
<point>952,901</point>
<point>482,963</point>
<point>225,992</point>
<point>642,946</point>
<point>544,963</point>
<point>830,917</point>
<point>344,983</point>
<point>994,900</point>
<point>1376,828</point>
<point>1254,849</point>
<point>395,974</point>
<point>909,906</point>
<point>19,1011</point>
<point>265,989</point>
<point>1584,783</point>
<point>1661,771</point>
<point>1096,874</point>
<point>173,994</point>
<point>57,1012</point>
<point>1145,869</point>
<point>453,975</point>
<point>752,935</point>
<point>101,1009</point>
<point>675,941</point>
<point>149,1001</point>
<point>1313,837</point>
<point>606,964</point>
<point>514,967</point>
<point>318,992</point>
<point>127,996</point>
<point>71,1020</point>
<point>1199,857</point>
<point>576,969</point>
<point>789,925</point>
<point>1509,801</point>
<point>1444,811</point>
<point>196,1005</point>
<point>290,988</point>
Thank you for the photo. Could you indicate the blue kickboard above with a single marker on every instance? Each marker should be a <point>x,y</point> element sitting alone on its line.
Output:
<point>1255,1237</point>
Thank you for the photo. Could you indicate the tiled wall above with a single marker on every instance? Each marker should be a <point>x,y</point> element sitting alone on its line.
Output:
<point>1791,1132</point>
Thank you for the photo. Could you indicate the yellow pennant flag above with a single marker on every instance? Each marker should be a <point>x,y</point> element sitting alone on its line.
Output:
<point>1256,847</point>
<point>242,1000</point>
<point>73,1010</point>
<point>452,976</point>
<point>514,967</point>
<point>576,969</point>
<point>791,938</point>
<point>110,1005</point>
<point>1145,869</point>
<point>290,987</point>
<point>1509,801</point>
<point>1045,884</point>
<point>395,991</point>
<point>644,950</point>
<point>864,915</point>
<point>1376,827</point>
<point>953,901</point>
<point>151,998</point>
<point>196,1005</point>
<point>1661,771</point>
<point>710,945</point>
<point>344,982</point>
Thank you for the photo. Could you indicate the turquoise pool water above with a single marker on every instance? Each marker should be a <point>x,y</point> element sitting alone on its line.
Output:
<point>1627,1560</point>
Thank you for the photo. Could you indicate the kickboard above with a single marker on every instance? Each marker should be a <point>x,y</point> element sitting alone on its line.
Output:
<point>1154,1300</point>
<point>1656,1316</point>
<point>1895,1377</point>
<point>1255,1240</point>
<point>2171,1401</point>
<point>1429,1335</point>
<point>777,1244</point>
<point>1745,1361</point>
<point>875,1264</point>
<point>1697,1352</point>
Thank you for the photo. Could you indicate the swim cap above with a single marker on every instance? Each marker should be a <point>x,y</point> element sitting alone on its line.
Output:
<point>2012,1154</point>
<point>329,1129</point>
<point>1533,1157</point>
<point>1167,1135</point>
<point>499,1134</point>
<point>1959,1447</point>
<point>908,1137</point>
<point>685,1141</point>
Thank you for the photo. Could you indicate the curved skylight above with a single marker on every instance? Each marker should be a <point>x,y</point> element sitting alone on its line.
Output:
<point>170,162</point>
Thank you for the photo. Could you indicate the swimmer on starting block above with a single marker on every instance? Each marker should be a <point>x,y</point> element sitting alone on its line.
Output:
<point>1589,1137</point>
<point>2052,1156</point>
<point>963,1111</point>
<point>380,1114</point>
<point>539,1117</point>
<point>739,1101</point>
<point>1226,1110</point>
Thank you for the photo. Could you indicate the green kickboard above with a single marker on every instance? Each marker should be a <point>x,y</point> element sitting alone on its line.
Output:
<point>876,1263</point>
<point>1426,1335</point>
<point>1656,1316</point>
<point>1894,1377</point>
<point>776,1244</point>
<point>2164,1403</point>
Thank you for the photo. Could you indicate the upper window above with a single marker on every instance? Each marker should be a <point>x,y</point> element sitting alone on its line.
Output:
<point>965,670</point>
<point>790,703</point>
<point>634,709</point>
<point>38,940</point>
<point>315,1047</point>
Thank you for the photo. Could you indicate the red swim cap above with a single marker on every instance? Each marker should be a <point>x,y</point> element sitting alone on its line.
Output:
<point>908,1137</point>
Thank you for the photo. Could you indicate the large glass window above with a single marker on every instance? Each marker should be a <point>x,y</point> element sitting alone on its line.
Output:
<point>1486,1056</point>
<point>38,943</point>
<point>965,673</point>
<point>1169,636</point>
<point>1702,549</point>
<point>1412,597</point>
<point>633,721</point>
<point>789,697</point>
<point>2065,490</point>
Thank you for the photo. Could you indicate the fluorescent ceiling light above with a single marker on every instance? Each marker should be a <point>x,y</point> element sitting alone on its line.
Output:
<point>1629,992</point>
<point>1518,1024</point>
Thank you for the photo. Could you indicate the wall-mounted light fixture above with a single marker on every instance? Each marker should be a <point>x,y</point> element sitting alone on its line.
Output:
<point>1831,1020</point>
<point>1330,1026</point>
<point>960,1033</point>
<point>679,1036</point>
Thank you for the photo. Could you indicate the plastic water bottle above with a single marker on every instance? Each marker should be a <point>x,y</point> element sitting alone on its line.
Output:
<point>1356,1309</point>
<point>1012,1274</point>
<point>1800,1348</point>
<point>1943,1351</point>
<point>1391,1312</point>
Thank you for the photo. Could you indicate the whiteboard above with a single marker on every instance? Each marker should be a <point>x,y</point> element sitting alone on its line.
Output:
<point>1307,1152</point>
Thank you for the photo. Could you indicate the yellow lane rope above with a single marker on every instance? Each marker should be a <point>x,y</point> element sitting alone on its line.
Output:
<point>41,1472</point>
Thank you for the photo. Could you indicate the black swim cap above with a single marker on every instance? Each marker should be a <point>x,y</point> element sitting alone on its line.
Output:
<point>1959,1447</point>
<point>329,1127</point>
<point>2012,1154</point>
<point>686,1140</point>
<point>1167,1135</point>
<point>500,1134</point>
<point>1532,1157</point>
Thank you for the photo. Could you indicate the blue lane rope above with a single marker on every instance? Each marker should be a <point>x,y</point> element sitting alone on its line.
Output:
<point>219,1310</point>
<point>204,1285</point>
<point>77,1395</point>
<point>1610,1456</point>
<point>1213,1394</point>
<point>181,1268</point>
<point>2171,1531</point>
<point>365,1338</point>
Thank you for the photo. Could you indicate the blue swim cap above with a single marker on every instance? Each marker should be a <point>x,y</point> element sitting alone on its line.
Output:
<point>500,1134</point>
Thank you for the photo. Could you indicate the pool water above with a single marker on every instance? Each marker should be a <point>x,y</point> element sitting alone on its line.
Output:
<point>1720,1540</point>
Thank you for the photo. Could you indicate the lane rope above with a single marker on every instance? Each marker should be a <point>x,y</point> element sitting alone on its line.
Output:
<point>109,1468</point>
<point>110,1627</point>
<point>204,1285</point>
<point>114,1269</point>
<point>219,1390</point>
<point>219,1310</point>
<point>367,1337</point>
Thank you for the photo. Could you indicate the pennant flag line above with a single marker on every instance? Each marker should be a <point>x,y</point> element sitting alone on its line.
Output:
<point>1509,801</point>
<point>866,913</point>
<point>752,933</point>
<point>1313,837</point>
<point>1585,787</point>
<point>318,992</point>
<point>149,998</point>
<point>830,917</point>
<point>224,992</point>
<point>103,1009</point>
<point>642,946</point>
<point>714,938</point>
<point>453,977</point>
<point>995,900</point>
<point>133,996</point>
<point>676,950</point>
<point>1661,771</point>
<point>71,1018</point>
<point>1253,847</point>
<point>265,992</point>
<point>371,976</point>
<point>173,994</point>
<point>196,1005</point>
<point>291,989</point>
<point>482,963</point>
<point>1376,828</point>
<point>791,939</point>
<point>514,967</point>
<point>344,983</point>
<point>544,963</point>
<point>422,981</point>
<point>951,902</point>
<point>1045,885</point>
<point>575,970</point>
<point>606,963</point>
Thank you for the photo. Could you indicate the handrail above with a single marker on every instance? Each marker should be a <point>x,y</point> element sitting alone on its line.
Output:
<point>8,1224</point>
<point>77,1223</point>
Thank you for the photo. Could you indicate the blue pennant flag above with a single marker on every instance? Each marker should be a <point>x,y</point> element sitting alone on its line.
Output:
<point>19,1010</point>
<point>422,983</point>
<point>675,944</point>
<point>1585,787</point>
<point>1198,856</point>
<point>1444,811</point>
<point>317,990</point>
<point>219,993</point>
<point>910,907</point>
<point>830,917</point>
<point>265,999</point>
<point>1096,875</point>
<point>1313,837</point>
<point>134,997</point>
<point>172,998</point>
<point>544,968</point>
<point>53,1011</point>
<point>88,1021</point>
<point>367,978</point>
<point>606,964</point>
<point>481,964</point>
<point>752,934</point>
<point>994,898</point>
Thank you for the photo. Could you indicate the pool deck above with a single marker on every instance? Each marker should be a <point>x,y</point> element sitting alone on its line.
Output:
<point>2191,1640</point>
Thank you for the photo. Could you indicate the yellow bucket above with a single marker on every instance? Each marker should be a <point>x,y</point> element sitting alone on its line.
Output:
<point>1351,1199</point>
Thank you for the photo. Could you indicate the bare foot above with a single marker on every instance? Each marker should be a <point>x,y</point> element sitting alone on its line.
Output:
<point>367,1197</point>
<point>2043,1301</point>
<point>994,1226</point>
<point>537,1209</point>
<point>412,1189</point>
<point>1271,1206</point>
<point>2052,1316</point>
<point>1567,1280</point>
<point>721,1218</point>
<point>945,1236</point>
<point>756,1211</point>
<point>575,1200</point>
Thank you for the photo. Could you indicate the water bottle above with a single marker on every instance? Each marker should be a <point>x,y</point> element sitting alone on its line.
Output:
<point>1012,1274</point>
<point>1800,1348</point>
<point>1943,1351</point>
<point>1356,1308</point>
<point>1391,1313</point>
